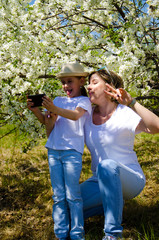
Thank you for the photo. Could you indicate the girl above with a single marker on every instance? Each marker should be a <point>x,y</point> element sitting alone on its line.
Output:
<point>65,147</point>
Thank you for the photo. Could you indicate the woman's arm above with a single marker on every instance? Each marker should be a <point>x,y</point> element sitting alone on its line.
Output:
<point>149,122</point>
<point>50,120</point>
<point>66,113</point>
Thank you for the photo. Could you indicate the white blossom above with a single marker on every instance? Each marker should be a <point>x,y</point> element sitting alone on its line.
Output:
<point>43,36</point>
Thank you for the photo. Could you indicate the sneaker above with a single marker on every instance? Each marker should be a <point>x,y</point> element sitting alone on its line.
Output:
<point>109,238</point>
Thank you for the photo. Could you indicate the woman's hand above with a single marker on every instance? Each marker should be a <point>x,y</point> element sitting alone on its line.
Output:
<point>50,117</point>
<point>121,95</point>
<point>50,120</point>
<point>149,122</point>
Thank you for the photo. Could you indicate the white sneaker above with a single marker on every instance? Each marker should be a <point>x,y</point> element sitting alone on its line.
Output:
<point>109,238</point>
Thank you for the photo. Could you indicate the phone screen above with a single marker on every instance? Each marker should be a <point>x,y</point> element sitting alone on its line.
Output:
<point>36,99</point>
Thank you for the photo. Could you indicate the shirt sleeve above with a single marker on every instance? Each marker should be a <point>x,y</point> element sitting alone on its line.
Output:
<point>134,119</point>
<point>85,104</point>
<point>55,101</point>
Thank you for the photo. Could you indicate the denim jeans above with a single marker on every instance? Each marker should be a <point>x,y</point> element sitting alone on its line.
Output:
<point>65,168</point>
<point>115,183</point>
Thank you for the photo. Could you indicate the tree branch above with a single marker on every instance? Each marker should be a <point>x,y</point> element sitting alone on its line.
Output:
<point>146,97</point>
<point>8,133</point>
<point>41,76</point>
<point>120,11</point>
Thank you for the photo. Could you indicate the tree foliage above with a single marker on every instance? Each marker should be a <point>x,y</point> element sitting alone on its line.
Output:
<point>36,39</point>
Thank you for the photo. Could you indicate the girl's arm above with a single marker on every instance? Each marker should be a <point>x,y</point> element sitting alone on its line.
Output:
<point>149,122</point>
<point>37,112</point>
<point>66,113</point>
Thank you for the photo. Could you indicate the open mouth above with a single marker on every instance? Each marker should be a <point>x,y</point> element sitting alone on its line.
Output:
<point>68,92</point>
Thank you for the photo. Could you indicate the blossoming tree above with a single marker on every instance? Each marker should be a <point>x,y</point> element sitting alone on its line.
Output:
<point>36,39</point>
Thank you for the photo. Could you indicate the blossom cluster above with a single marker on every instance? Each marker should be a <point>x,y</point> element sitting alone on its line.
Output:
<point>36,39</point>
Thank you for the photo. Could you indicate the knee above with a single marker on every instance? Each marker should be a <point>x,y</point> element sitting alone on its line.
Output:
<point>57,198</point>
<point>107,167</point>
<point>73,196</point>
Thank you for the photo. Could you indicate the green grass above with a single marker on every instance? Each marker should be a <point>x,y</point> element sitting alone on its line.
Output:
<point>26,194</point>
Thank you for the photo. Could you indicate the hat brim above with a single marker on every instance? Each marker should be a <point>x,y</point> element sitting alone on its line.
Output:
<point>72,74</point>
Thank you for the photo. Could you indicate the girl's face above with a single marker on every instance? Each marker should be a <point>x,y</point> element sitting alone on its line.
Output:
<point>96,89</point>
<point>71,86</point>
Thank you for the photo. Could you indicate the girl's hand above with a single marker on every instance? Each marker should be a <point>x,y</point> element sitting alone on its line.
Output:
<point>121,95</point>
<point>30,105</point>
<point>36,110</point>
<point>48,104</point>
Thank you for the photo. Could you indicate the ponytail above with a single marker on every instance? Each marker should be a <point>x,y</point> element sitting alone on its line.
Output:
<point>83,91</point>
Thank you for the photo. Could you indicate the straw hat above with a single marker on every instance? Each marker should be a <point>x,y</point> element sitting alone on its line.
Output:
<point>72,70</point>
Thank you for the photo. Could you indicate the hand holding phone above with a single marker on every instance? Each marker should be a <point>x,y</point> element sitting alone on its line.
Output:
<point>36,99</point>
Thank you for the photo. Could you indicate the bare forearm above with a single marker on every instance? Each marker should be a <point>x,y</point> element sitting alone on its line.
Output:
<point>49,129</point>
<point>39,116</point>
<point>50,120</point>
<point>67,113</point>
<point>150,120</point>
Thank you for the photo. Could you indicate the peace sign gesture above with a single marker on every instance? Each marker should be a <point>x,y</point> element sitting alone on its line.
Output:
<point>121,95</point>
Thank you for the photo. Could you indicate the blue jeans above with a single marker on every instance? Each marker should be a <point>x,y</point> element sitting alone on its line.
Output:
<point>65,168</point>
<point>115,183</point>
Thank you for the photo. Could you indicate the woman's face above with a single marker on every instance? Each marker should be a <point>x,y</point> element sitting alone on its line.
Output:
<point>96,89</point>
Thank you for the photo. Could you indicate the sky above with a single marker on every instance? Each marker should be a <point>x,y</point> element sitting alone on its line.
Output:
<point>32,2</point>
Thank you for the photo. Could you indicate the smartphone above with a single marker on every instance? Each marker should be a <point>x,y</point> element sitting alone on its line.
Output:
<point>36,99</point>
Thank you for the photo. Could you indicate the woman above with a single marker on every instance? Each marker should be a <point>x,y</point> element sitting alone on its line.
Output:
<point>109,136</point>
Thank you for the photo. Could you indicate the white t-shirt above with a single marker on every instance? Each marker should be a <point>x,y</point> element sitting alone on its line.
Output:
<point>114,139</point>
<point>69,134</point>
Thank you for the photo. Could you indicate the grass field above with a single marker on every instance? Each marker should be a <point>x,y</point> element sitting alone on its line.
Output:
<point>26,194</point>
